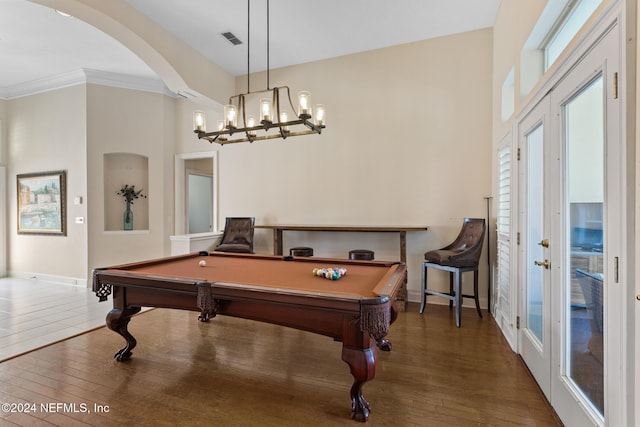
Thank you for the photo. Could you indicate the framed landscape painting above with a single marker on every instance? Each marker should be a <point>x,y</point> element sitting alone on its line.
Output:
<point>42,203</point>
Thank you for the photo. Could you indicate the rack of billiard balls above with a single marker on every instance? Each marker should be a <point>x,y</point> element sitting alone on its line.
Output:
<point>330,273</point>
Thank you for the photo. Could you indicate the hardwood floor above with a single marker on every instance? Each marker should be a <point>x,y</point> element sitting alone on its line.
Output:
<point>234,372</point>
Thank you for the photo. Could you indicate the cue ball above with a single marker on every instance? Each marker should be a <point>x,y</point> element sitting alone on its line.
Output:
<point>202,263</point>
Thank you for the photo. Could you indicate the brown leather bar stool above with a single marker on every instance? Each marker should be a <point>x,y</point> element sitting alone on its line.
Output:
<point>237,236</point>
<point>461,256</point>
<point>361,254</point>
<point>301,251</point>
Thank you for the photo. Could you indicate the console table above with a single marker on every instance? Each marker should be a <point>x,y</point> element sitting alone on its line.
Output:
<point>278,230</point>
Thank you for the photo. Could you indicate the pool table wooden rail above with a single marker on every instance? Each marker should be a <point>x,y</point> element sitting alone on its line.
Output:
<point>343,317</point>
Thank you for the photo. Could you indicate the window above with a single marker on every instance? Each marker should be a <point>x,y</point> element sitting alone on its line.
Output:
<point>559,22</point>
<point>566,27</point>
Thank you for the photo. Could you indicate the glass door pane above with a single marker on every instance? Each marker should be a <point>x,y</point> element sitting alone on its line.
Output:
<point>584,146</point>
<point>200,204</point>
<point>535,233</point>
<point>532,241</point>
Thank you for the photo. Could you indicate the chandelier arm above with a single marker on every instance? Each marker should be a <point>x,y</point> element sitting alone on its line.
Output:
<point>247,130</point>
<point>276,104</point>
<point>264,137</point>
<point>218,138</point>
<point>313,128</point>
<point>289,96</point>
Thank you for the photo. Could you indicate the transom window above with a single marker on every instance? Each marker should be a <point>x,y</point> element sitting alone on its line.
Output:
<point>571,19</point>
<point>558,24</point>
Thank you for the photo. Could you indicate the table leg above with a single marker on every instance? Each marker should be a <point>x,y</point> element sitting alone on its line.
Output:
<point>458,295</point>
<point>402,293</point>
<point>277,241</point>
<point>362,364</point>
<point>117,321</point>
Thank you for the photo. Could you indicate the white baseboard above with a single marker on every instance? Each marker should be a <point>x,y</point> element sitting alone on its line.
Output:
<point>75,281</point>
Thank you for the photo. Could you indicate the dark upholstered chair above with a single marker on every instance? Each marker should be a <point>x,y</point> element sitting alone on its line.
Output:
<point>301,251</point>
<point>237,236</point>
<point>361,254</point>
<point>461,256</point>
<point>591,285</point>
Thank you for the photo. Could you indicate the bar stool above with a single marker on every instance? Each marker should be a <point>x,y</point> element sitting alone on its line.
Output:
<point>361,254</point>
<point>461,256</point>
<point>301,251</point>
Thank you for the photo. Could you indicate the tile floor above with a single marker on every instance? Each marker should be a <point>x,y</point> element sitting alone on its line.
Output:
<point>34,313</point>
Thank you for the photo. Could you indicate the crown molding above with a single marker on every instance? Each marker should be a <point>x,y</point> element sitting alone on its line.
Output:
<point>84,76</point>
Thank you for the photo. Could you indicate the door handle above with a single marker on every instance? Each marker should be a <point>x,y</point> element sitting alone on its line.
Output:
<point>544,243</point>
<point>546,264</point>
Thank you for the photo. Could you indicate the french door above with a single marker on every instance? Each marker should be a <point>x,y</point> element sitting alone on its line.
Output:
<point>536,178</point>
<point>570,222</point>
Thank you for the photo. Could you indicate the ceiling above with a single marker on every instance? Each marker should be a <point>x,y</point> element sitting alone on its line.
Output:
<point>37,43</point>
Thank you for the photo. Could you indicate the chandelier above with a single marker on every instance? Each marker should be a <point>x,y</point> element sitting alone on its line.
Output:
<point>274,115</point>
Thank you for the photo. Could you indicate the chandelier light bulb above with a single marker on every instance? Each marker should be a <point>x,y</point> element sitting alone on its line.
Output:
<point>265,109</point>
<point>251,122</point>
<point>320,115</point>
<point>304,103</point>
<point>230,116</point>
<point>199,122</point>
<point>222,138</point>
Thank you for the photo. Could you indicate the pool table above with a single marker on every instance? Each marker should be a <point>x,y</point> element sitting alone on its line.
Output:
<point>357,309</point>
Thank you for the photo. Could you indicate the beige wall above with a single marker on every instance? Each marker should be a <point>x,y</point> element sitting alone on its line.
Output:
<point>141,123</point>
<point>47,132</point>
<point>515,20</point>
<point>71,129</point>
<point>408,142</point>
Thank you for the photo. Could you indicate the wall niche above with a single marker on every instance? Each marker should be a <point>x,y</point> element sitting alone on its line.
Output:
<point>122,169</point>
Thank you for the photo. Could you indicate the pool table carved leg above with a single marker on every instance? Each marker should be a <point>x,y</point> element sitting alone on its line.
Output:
<point>117,321</point>
<point>207,304</point>
<point>362,364</point>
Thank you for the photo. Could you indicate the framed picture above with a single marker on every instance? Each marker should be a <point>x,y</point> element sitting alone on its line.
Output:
<point>42,203</point>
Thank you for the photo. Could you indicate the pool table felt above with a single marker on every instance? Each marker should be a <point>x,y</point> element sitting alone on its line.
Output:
<point>361,280</point>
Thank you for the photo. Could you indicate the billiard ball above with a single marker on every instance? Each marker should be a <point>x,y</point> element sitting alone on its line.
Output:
<point>202,263</point>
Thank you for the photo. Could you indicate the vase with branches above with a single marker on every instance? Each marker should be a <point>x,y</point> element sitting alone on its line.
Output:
<point>129,193</point>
